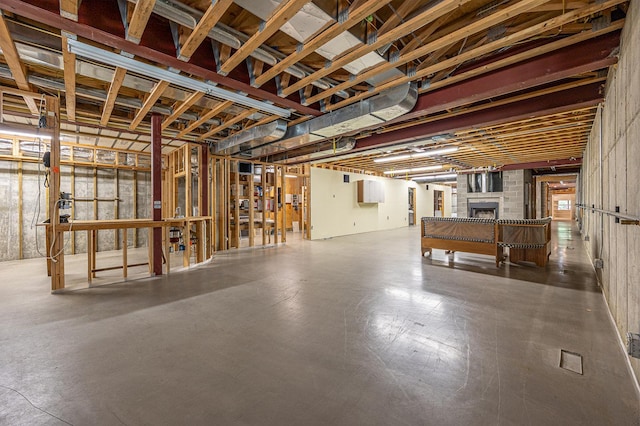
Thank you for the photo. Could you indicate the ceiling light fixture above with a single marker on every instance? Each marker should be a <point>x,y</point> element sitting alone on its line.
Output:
<point>114,59</point>
<point>416,155</point>
<point>415,169</point>
<point>24,134</point>
<point>434,177</point>
<point>291,176</point>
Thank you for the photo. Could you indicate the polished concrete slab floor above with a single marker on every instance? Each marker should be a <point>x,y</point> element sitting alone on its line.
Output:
<point>357,330</point>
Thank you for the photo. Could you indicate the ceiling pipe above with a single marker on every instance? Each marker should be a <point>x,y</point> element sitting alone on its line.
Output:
<point>341,146</point>
<point>262,134</point>
<point>378,109</point>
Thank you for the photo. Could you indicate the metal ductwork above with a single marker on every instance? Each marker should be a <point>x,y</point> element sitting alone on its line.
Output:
<point>311,19</point>
<point>339,147</point>
<point>39,56</point>
<point>374,111</point>
<point>254,136</point>
<point>189,17</point>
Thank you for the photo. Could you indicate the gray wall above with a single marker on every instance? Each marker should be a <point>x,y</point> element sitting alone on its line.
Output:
<point>617,245</point>
<point>511,199</point>
<point>35,208</point>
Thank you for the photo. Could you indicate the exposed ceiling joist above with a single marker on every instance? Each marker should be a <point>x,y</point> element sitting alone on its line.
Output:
<point>470,54</point>
<point>458,35</point>
<point>69,9</point>
<point>557,65</point>
<point>210,18</point>
<point>114,88</point>
<point>69,61</point>
<point>115,41</point>
<point>227,124</point>
<point>150,100</point>
<point>431,14</point>
<point>138,23</point>
<point>13,61</point>
<point>279,17</point>
<point>182,107</point>
<point>356,14</point>
<point>206,117</point>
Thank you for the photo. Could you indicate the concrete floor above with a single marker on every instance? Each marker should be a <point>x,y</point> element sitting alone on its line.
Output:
<point>354,330</point>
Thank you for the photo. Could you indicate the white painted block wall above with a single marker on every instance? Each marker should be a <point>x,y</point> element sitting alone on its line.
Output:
<point>617,245</point>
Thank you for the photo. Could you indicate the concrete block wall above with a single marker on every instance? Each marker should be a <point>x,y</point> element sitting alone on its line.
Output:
<point>511,199</point>
<point>618,121</point>
<point>111,184</point>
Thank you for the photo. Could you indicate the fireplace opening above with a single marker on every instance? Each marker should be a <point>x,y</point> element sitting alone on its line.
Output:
<point>484,210</point>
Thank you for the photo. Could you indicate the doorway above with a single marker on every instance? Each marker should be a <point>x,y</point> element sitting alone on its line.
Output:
<point>438,203</point>
<point>412,205</point>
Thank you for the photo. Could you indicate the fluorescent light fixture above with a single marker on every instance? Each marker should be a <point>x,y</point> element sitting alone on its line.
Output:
<point>416,155</point>
<point>104,56</point>
<point>23,134</point>
<point>415,169</point>
<point>434,177</point>
<point>291,176</point>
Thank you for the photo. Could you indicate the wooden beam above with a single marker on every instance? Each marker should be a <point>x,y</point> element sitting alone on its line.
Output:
<point>206,23</point>
<point>398,16</point>
<point>69,9</point>
<point>69,61</point>
<point>15,66</point>
<point>154,95</point>
<point>422,19</point>
<point>285,11</point>
<point>531,53</point>
<point>179,109</point>
<point>212,113</point>
<point>114,88</point>
<point>226,124</point>
<point>356,15</point>
<point>470,54</point>
<point>138,23</point>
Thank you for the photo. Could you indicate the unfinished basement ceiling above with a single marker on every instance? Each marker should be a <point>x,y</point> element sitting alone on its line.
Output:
<point>508,83</point>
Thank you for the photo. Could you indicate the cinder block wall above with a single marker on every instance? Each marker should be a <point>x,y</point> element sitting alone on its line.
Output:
<point>511,199</point>
<point>110,184</point>
<point>617,245</point>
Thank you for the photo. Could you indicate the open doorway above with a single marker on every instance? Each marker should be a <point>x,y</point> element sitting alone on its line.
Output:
<point>412,205</point>
<point>438,203</point>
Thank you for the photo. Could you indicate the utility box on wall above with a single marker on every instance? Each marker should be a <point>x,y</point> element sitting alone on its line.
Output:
<point>370,191</point>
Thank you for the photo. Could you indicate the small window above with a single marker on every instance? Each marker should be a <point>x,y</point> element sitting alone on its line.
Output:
<point>564,204</point>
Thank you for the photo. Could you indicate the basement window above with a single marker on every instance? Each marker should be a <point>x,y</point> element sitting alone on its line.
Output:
<point>564,204</point>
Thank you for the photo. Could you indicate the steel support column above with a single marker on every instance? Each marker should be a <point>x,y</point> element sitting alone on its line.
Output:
<point>156,191</point>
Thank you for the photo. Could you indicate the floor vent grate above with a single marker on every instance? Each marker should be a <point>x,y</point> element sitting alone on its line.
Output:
<point>571,361</point>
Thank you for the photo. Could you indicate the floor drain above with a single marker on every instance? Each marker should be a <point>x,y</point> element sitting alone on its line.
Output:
<point>571,361</point>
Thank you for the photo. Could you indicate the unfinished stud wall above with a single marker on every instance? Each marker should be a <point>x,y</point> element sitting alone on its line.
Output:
<point>96,191</point>
<point>617,127</point>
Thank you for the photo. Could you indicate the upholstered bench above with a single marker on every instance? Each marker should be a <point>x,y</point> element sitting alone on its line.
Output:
<point>527,239</point>
<point>461,234</point>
